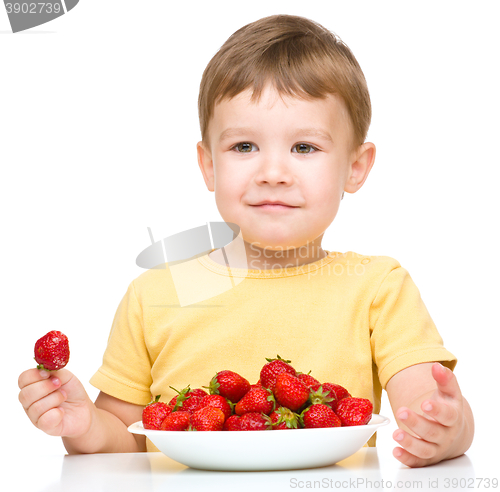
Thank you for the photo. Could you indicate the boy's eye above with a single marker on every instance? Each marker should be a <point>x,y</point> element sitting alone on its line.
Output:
<point>303,148</point>
<point>243,147</point>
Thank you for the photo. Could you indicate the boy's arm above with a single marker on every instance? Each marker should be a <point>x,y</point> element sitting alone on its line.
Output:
<point>108,429</point>
<point>435,421</point>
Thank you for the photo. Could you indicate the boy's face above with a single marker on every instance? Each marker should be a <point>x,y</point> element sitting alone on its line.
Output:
<point>287,150</point>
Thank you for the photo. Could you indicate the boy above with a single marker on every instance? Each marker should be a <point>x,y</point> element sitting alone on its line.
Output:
<point>284,112</point>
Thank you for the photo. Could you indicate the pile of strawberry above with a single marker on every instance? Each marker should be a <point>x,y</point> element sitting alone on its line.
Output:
<point>282,399</point>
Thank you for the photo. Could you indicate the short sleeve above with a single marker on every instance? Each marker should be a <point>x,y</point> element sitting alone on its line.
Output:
<point>126,368</point>
<point>402,331</point>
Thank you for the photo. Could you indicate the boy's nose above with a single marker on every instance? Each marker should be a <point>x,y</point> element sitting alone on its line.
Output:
<point>273,171</point>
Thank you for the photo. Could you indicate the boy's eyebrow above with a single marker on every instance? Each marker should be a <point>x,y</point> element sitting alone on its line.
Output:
<point>307,132</point>
<point>235,131</point>
<point>314,132</point>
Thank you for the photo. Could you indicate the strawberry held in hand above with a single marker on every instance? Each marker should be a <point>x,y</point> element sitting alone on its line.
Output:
<point>52,351</point>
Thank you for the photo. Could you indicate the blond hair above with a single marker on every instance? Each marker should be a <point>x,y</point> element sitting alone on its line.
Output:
<point>298,56</point>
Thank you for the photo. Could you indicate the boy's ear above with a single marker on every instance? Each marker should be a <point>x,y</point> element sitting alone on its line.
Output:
<point>206,165</point>
<point>360,166</point>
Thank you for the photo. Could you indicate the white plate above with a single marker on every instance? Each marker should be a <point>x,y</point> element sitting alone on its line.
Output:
<point>262,450</point>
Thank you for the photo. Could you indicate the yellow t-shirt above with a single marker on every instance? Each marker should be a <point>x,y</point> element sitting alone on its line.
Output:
<point>350,319</point>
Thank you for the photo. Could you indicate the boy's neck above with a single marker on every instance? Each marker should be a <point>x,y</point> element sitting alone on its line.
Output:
<point>265,259</point>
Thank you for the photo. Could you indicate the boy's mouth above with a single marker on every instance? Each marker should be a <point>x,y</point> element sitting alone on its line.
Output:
<point>269,205</point>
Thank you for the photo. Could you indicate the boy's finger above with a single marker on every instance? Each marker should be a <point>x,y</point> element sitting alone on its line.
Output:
<point>40,407</point>
<point>408,459</point>
<point>442,413</point>
<point>38,390</point>
<point>31,376</point>
<point>50,421</point>
<point>419,448</point>
<point>424,428</point>
<point>446,381</point>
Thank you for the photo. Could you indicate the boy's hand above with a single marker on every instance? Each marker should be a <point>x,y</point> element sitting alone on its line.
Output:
<point>439,422</point>
<point>55,402</point>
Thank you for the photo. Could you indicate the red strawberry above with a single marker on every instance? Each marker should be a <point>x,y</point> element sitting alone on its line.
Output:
<point>186,400</point>
<point>207,419</point>
<point>340,391</point>
<point>259,400</point>
<point>290,392</point>
<point>354,411</point>
<point>308,380</point>
<point>180,395</point>
<point>216,401</point>
<point>272,369</point>
<point>330,390</point>
<point>191,404</point>
<point>198,392</point>
<point>176,421</point>
<point>323,393</point>
<point>319,415</point>
<point>154,414</point>
<point>52,351</point>
<point>230,385</point>
<point>232,423</point>
<point>284,418</point>
<point>253,422</point>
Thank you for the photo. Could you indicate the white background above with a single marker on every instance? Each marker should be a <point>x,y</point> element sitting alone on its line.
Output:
<point>98,127</point>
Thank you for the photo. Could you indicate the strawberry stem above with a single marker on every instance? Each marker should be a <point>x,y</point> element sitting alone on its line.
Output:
<point>278,358</point>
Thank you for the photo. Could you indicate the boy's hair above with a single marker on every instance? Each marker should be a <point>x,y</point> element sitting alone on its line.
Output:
<point>299,56</point>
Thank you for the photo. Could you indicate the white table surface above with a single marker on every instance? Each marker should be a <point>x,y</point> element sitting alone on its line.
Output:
<point>368,469</point>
